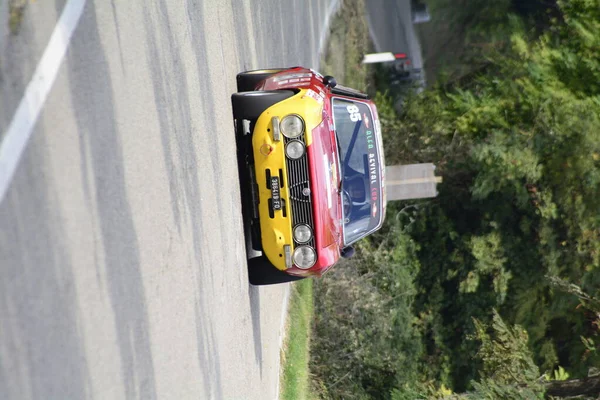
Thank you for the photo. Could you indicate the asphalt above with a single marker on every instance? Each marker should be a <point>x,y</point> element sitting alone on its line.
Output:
<point>122,254</point>
<point>391,28</point>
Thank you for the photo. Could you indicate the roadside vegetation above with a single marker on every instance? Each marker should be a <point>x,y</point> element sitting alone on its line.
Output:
<point>16,11</point>
<point>295,355</point>
<point>347,43</point>
<point>492,289</point>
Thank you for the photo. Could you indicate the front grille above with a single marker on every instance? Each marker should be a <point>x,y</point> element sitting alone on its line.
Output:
<point>300,192</point>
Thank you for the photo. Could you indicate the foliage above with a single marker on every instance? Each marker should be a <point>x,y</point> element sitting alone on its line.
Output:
<point>295,378</point>
<point>346,45</point>
<point>505,354</point>
<point>365,335</point>
<point>518,146</point>
<point>559,375</point>
<point>517,141</point>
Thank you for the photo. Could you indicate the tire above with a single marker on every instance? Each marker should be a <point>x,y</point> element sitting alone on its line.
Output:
<point>262,272</point>
<point>247,80</point>
<point>249,105</point>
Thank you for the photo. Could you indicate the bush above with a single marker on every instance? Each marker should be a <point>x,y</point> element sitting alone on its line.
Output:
<point>365,340</point>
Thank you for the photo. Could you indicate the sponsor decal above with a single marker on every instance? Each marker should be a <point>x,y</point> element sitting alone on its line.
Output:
<point>373,172</point>
<point>374,194</point>
<point>334,176</point>
<point>314,95</point>
<point>316,73</point>
<point>296,76</point>
<point>370,139</point>
<point>293,80</point>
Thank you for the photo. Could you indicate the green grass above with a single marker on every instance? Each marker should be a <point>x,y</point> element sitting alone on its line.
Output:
<point>295,379</point>
<point>16,10</point>
<point>347,43</point>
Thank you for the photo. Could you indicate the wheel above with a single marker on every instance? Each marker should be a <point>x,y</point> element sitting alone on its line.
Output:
<point>262,272</point>
<point>249,105</point>
<point>247,80</point>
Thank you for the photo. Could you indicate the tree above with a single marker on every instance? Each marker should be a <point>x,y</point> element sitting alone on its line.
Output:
<point>518,145</point>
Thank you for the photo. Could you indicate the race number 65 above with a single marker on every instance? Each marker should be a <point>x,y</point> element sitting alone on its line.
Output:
<point>354,113</point>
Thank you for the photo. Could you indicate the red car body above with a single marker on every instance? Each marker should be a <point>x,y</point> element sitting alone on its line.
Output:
<point>325,166</point>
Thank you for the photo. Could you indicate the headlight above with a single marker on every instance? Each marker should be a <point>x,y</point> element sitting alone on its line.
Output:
<point>292,126</point>
<point>304,257</point>
<point>302,233</point>
<point>294,149</point>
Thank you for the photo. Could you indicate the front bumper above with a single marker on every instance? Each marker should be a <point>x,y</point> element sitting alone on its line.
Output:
<point>268,146</point>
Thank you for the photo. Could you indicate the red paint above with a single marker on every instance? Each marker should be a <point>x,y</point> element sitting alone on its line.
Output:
<point>323,160</point>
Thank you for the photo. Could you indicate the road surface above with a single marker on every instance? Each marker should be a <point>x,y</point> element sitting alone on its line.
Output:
<point>391,28</point>
<point>122,257</point>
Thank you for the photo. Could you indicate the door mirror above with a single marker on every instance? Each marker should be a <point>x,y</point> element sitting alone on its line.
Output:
<point>330,81</point>
<point>347,252</point>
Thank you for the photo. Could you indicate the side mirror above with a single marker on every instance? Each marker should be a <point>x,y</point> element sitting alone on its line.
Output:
<point>347,252</point>
<point>330,81</point>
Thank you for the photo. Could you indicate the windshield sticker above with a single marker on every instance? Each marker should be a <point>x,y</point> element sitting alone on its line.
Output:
<point>354,113</point>
<point>360,167</point>
<point>373,169</point>
<point>370,139</point>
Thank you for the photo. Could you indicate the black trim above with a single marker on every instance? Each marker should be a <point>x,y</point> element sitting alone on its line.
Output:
<point>346,91</point>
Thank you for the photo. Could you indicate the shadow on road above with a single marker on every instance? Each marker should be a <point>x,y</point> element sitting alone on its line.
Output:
<point>42,351</point>
<point>181,144</point>
<point>105,188</point>
<point>254,297</point>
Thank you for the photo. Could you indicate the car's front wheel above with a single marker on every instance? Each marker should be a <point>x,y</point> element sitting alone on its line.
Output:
<point>262,272</point>
<point>249,105</point>
<point>247,80</point>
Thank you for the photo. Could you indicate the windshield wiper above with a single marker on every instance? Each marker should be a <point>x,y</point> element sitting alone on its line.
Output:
<point>353,141</point>
<point>341,162</point>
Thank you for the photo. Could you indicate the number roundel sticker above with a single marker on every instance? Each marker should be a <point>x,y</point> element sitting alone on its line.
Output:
<point>354,113</point>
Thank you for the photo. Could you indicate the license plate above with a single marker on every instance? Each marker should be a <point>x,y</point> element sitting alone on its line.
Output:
<point>275,193</point>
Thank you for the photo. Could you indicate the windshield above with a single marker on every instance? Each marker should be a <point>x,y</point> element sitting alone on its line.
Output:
<point>359,160</point>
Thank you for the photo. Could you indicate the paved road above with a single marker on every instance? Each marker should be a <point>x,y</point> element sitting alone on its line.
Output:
<point>391,28</point>
<point>122,257</point>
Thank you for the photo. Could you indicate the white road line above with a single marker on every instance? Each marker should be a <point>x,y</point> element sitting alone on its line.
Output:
<point>20,128</point>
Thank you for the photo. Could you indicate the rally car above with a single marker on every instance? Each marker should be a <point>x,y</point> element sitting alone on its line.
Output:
<point>311,170</point>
